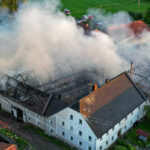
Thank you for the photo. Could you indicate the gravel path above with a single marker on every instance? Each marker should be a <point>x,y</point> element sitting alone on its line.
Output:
<point>38,142</point>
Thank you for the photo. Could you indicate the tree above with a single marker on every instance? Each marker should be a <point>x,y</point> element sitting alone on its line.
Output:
<point>12,5</point>
<point>147,111</point>
<point>147,16</point>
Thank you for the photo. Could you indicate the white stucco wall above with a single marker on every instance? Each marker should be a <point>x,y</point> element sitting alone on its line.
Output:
<point>64,116</point>
<point>124,125</point>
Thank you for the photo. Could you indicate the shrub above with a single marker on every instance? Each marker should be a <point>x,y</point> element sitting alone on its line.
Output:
<point>127,145</point>
<point>119,147</point>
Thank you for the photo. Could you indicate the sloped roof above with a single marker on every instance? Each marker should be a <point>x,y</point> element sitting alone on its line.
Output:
<point>6,146</point>
<point>143,133</point>
<point>137,28</point>
<point>112,102</point>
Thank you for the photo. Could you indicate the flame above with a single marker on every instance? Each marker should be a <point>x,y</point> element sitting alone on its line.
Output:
<point>97,30</point>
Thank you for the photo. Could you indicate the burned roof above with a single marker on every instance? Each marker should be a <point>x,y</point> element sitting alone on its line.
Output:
<point>111,103</point>
<point>141,77</point>
<point>50,97</point>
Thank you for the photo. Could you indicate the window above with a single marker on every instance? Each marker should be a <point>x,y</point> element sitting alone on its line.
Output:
<point>80,143</point>
<point>51,131</point>
<point>106,142</point>
<point>125,127</point>
<point>38,123</point>
<point>112,138</point>
<point>100,147</point>
<point>71,128</point>
<point>131,122</point>
<point>63,133</point>
<point>71,138</point>
<point>71,117</point>
<point>50,122</point>
<point>89,148</point>
<point>80,133</point>
<point>63,123</point>
<point>80,121</point>
<point>29,118</point>
<point>90,138</point>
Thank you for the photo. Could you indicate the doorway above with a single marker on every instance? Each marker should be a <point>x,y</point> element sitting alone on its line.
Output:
<point>19,114</point>
<point>119,133</point>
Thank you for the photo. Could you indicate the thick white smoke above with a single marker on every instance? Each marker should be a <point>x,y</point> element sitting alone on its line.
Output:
<point>40,37</point>
<point>130,47</point>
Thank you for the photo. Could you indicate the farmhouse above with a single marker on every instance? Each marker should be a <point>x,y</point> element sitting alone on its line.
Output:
<point>88,119</point>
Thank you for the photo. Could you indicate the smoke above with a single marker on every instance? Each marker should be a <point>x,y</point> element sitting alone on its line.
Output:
<point>130,47</point>
<point>41,38</point>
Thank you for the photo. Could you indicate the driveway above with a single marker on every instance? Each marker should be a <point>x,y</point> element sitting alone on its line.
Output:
<point>38,142</point>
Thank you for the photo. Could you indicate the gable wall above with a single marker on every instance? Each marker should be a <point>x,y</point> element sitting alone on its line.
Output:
<point>64,116</point>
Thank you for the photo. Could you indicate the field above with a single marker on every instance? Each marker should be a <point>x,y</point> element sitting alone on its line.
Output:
<point>79,7</point>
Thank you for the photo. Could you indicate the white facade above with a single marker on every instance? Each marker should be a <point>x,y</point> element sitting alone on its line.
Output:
<point>120,128</point>
<point>71,126</point>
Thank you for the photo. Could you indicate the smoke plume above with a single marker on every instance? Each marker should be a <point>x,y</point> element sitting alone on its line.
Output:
<point>41,38</point>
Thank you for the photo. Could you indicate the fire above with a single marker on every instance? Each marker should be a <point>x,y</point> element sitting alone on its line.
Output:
<point>97,30</point>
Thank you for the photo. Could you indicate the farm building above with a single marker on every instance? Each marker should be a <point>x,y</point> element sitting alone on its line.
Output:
<point>80,113</point>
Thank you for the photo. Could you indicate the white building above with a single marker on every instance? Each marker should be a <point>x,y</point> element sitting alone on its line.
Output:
<point>92,123</point>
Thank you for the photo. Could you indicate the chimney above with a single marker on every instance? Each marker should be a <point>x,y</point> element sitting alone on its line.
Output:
<point>131,69</point>
<point>106,81</point>
<point>94,87</point>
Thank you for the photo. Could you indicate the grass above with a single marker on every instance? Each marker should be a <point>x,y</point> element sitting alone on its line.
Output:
<point>80,7</point>
<point>22,144</point>
<point>50,138</point>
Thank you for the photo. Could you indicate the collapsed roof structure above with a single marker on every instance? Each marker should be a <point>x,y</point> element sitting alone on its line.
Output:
<point>141,77</point>
<point>42,96</point>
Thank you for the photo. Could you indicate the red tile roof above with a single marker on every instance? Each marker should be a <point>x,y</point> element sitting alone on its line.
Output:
<point>143,133</point>
<point>137,27</point>
<point>104,95</point>
<point>6,146</point>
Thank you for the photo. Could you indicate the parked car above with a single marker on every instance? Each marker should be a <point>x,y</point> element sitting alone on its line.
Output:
<point>67,11</point>
<point>87,17</point>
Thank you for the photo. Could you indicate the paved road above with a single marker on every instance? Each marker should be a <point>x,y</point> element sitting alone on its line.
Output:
<point>38,142</point>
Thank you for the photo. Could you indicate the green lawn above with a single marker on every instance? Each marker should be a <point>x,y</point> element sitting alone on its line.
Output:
<point>80,7</point>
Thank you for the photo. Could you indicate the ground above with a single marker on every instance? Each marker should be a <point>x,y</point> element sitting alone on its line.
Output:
<point>38,142</point>
<point>131,138</point>
<point>80,7</point>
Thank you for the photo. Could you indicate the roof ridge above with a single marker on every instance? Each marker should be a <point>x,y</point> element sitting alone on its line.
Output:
<point>135,86</point>
<point>111,80</point>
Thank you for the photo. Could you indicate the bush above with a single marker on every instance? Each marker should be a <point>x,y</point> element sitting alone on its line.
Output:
<point>136,16</point>
<point>124,143</point>
<point>140,143</point>
<point>119,147</point>
<point>147,144</point>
